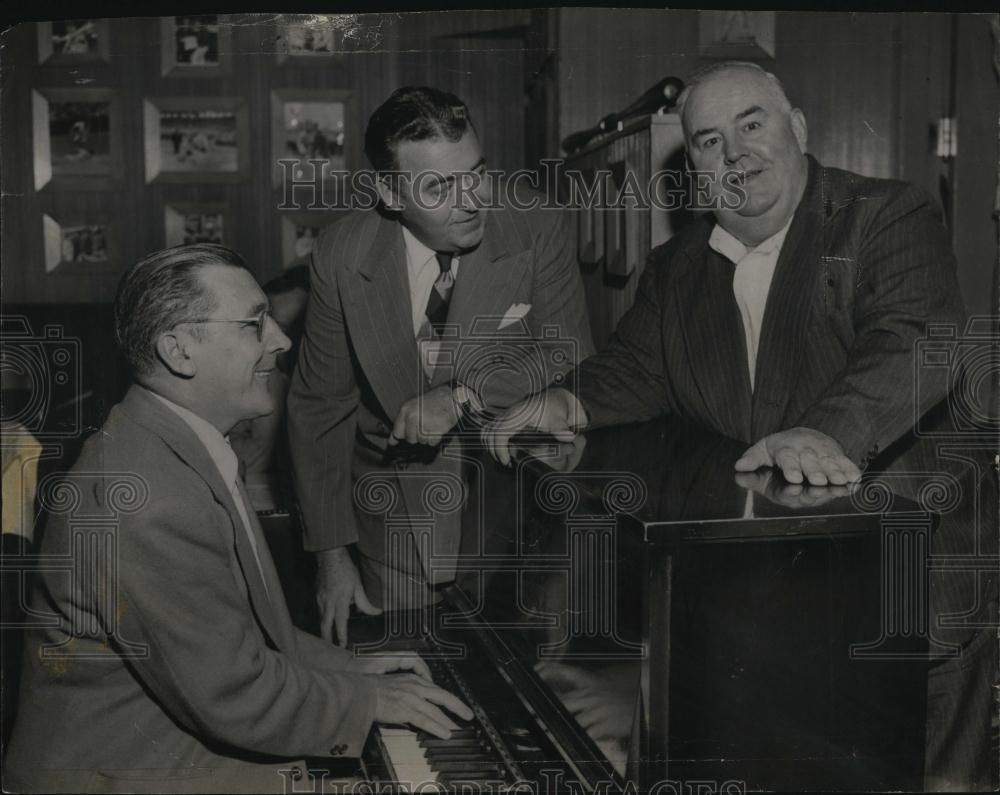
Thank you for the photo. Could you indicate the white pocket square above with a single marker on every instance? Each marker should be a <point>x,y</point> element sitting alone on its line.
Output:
<point>515,313</point>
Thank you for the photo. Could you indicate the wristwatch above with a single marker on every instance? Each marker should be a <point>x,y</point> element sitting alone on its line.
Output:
<point>468,402</point>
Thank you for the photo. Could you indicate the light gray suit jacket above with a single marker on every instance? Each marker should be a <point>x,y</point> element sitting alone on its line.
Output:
<point>159,662</point>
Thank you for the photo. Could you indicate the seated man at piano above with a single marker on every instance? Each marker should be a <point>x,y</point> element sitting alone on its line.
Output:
<point>167,660</point>
<point>788,322</point>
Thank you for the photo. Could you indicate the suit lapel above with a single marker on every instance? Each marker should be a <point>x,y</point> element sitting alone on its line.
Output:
<point>786,314</point>
<point>146,409</point>
<point>713,336</point>
<point>380,317</point>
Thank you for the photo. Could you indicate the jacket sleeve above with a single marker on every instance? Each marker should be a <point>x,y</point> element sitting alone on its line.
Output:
<point>626,382</point>
<point>193,641</point>
<point>322,413</point>
<point>905,280</point>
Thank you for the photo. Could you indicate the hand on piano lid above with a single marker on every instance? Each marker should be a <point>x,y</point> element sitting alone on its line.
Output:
<point>790,495</point>
<point>601,700</point>
<point>554,411</point>
<point>802,454</point>
<point>408,699</point>
<point>399,662</point>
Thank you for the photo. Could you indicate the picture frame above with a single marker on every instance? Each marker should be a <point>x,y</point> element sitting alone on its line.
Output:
<point>81,245</point>
<point>311,124</point>
<point>195,139</point>
<point>314,40</point>
<point>736,35</point>
<point>69,42</point>
<point>76,138</point>
<point>197,222</point>
<point>299,232</point>
<point>196,45</point>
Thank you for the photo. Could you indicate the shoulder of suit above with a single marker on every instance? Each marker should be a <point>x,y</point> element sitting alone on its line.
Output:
<point>524,214</point>
<point>350,235</point>
<point>844,190</point>
<point>123,453</point>
<point>693,236</point>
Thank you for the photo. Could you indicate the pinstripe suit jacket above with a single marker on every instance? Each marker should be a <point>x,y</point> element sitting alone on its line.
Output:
<point>866,265</point>
<point>173,670</point>
<point>359,362</point>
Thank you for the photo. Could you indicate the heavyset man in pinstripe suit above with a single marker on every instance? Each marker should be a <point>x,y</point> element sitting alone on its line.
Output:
<point>429,268</point>
<point>792,323</point>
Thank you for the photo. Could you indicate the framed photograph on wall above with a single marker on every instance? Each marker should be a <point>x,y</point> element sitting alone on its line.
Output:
<point>78,245</point>
<point>73,41</point>
<point>192,222</point>
<point>196,46</point>
<point>76,138</point>
<point>195,139</point>
<point>299,231</point>
<point>309,125</point>
<point>315,40</point>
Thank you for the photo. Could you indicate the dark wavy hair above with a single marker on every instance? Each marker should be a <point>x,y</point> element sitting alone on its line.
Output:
<point>413,113</point>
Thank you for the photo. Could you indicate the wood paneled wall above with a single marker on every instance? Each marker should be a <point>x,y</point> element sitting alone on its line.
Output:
<point>478,55</point>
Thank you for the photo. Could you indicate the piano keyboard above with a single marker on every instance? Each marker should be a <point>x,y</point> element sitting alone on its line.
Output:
<point>475,753</point>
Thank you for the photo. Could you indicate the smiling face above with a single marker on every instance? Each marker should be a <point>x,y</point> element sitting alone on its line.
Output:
<point>231,365</point>
<point>430,206</point>
<point>737,121</point>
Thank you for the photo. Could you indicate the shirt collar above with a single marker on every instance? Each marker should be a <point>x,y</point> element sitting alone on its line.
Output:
<point>732,249</point>
<point>417,254</point>
<point>215,443</point>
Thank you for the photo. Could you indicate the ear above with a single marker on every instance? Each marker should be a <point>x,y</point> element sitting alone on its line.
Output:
<point>390,198</point>
<point>799,128</point>
<point>173,349</point>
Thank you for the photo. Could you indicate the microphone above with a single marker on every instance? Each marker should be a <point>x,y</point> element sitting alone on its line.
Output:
<point>662,95</point>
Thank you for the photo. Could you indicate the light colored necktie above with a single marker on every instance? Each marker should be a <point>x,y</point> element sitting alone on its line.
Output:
<point>242,505</point>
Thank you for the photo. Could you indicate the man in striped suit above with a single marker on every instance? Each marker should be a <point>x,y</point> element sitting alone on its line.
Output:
<point>792,323</point>
<point>405,299</point>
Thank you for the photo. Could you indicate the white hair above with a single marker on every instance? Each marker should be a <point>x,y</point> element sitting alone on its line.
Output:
<point>703,74</point>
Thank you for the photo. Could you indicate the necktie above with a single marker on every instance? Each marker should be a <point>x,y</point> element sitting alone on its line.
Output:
<point>243,506</point>
<point>437,303</point>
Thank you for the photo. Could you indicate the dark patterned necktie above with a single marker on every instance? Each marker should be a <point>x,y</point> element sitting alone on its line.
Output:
<point>437,303</point>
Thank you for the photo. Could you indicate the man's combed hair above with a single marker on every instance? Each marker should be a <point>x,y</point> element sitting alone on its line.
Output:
<point>413,113</point>
<point>161,291</point>
<point>703,74</point>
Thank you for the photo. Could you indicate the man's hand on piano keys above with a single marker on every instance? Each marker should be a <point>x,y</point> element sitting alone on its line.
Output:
<point>409,699</point>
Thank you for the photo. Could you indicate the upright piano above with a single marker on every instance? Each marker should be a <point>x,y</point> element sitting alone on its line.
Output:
<point>630,614</point>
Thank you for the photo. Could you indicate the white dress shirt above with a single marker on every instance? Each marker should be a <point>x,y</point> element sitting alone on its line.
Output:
<point>423,269</point>
<point>751,282</point>
<point>224,458</point>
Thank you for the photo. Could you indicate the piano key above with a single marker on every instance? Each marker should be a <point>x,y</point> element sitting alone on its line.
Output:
<point>407,757</point>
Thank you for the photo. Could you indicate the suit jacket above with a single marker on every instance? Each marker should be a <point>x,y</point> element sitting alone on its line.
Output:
<point>359,363</point>
<point>159,662</point>
<point>865,267</point>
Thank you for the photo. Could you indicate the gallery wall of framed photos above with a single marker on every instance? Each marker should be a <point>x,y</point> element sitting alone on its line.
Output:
<point>126,135</point>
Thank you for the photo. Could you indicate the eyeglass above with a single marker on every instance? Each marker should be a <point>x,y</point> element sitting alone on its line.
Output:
<point>260,321</point>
